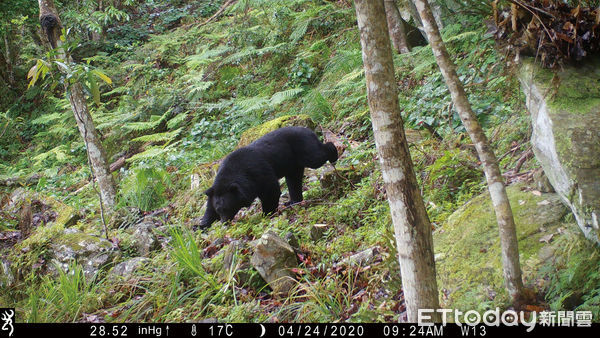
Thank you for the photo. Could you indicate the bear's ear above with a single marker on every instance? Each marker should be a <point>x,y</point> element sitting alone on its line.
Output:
<point>209,192</point>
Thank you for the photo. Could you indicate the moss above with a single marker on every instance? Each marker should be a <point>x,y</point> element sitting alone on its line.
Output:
<point>576,89</point>
<point>255,133</point>
<point>79,241</point>
<point>467,247</point>
<point>67,215</point>
<point>26,255</point>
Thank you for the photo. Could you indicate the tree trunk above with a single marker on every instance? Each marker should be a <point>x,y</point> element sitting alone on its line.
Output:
<point>9,57</point>
<point>504,216</point>
<point>96,153</point>
<point>411,224</point>
<point>396,27</point>
<point>51,27</point>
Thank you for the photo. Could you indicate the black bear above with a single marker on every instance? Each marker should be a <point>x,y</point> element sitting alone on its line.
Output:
<point>254,171</point>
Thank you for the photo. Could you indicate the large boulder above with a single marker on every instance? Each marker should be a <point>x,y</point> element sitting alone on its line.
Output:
<point>274,258</point>
<point>565,115</point>
<point>467,246</point>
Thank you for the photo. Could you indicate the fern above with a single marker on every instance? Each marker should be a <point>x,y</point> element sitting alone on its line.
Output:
<point>208,56</point>
<point>48,118</point>
<point>177,120</point>
<point>299,31</point>
<point>159,137</point>
<point>153,152</point>
<point>252,51</point>
<point>279,97</point>
<point>59,153</point>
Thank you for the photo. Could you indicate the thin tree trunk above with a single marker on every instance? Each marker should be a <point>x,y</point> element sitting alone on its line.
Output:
<point>396,27</point>
<point>51,26</point>
<point>411,225</point>
<point>504,215</point>
<point>96,153</point>
<point>10,57</point>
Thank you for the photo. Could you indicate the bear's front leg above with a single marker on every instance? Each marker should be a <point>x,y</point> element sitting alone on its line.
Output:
<point>210,216</point>
<point>269,197</point>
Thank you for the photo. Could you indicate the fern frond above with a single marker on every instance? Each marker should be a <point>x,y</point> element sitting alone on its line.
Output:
<point>208,56</point>
<point>279,97</point>
<point>159,137</point>
<point>152,152</point>
<point>177,120</point>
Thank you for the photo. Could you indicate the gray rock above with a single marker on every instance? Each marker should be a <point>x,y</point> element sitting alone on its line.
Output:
<point>362,258</point>
<point>273,258</point>
<point>317,231</point>
<point>542,183</point>
<point>565,114</point>
<point>127,268</point>
<point>144,238</point>
<point>230,251</point>
<point>91,252</point>
<point>7,277</point>
<point>292,240</point>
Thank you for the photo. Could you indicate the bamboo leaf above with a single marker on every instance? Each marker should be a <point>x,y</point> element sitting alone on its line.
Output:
<point>103,76</point>
<point>94,89</point>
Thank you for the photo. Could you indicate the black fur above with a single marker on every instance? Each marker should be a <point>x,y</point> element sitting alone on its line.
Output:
<point>48,23</point>
<point>254,171</point>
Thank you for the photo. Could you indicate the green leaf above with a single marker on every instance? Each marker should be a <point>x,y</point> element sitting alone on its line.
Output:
<point>94,89</point>
<point>102,76</point>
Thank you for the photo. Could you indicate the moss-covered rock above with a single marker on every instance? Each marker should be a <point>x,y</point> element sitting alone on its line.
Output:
<point>91,252</point>
<point>257,132</point>
<point>65,214</point>
<point>565,114</point>
<point>467,247</point>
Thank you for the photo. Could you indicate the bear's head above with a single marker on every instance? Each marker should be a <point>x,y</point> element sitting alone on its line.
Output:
<point>226,200</point>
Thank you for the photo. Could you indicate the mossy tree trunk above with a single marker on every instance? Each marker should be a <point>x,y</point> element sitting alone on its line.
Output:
<point>51,27</point>
<point>411,224</point>
<point>504,215</point>
<point>396,27</point>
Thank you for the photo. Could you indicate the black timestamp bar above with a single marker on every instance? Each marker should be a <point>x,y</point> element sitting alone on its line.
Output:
<point>285,330</point>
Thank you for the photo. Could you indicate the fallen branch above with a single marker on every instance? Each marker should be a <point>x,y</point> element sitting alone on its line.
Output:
<point>21,180</point>
<point>219,12</point>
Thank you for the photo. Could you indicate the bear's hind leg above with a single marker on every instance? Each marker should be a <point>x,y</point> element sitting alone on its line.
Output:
<point>294,184</point>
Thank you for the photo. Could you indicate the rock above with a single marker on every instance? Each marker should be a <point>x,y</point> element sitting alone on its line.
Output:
<point>362,258</point>
<point>127,268</point>
<point>292,240</point>
<point>143,237</point>
<point>61,213</point>
<point>257,132</point>
<point>317,231</point>
<point>273,258</point>
<point>469,245</point>
<point>339,179</point>
<point>230,251</point>
<point>541,181</point>
<point>7,277</point>
<point>91,252</point>
<point>194,181</point>
<point>565,114</point>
